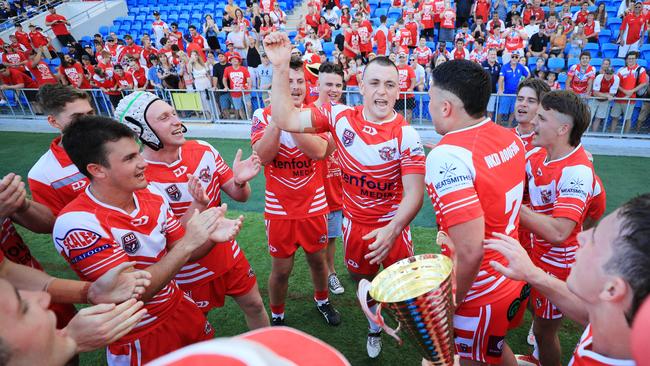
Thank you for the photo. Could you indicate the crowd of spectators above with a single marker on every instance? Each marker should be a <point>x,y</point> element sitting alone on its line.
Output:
<point>516,40</point>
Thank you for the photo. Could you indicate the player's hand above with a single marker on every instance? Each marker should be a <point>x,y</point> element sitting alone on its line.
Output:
<point>13,195</point>
<point>278,48</point>
<point>246,170</point>
<point>119,284</point>
<point>520,267</point>
<point>197,191</point>
<point>226,229</point>
<point>96,326</point>
<point>384,240</point>
<point>201,225</point>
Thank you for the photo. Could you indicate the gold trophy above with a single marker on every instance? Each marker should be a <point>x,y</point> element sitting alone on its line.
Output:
<point>417,292</point>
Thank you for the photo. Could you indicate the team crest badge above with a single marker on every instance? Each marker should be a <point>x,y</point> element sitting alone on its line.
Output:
<point>173,192</point>
<point>204,174</point>
<point>348,137</point>
<point>546,196</point>
<point>130,243</point>
<point>387,153</point>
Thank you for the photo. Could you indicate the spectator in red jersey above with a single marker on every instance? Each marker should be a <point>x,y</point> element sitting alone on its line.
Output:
<point>12,58</point>
<point>22,37</point>
<point>406,102</point>
<point>130,48</point>
<point>495,23</point>
<point>427,15</point>
<point>237,79</point>
<point>89,68</point>
<point>580,17</point>
<point>40,70</point>
<point>312,17</point>
<point>604,88</point>
<point>351,47</point>
<point>423,53</point>
<point>479,53</point>
<point>592,29</point>
<point>633,78</point>
<point>107,85</point>
<point>40,40</point>
<point>123,79</point>
<point>382,38</point>
<point>481,9</point>
<point>147,51</point>
<point>14,79</point>
<point>71,73</point>
<point>139,74</point>
<point>59,24</point>
<point>580,77</point>
<point>460,52</point>
<point>345,15</point>
<point>632,31</point>
<point>365,34</point>
<point>325,30</point>
<point>447,23</point>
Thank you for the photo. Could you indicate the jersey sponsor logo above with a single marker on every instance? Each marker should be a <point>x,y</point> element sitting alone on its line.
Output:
<point>208,327</point>
<point>370,188</point>
<point>495,346</point>
<point>450,179</point>
<point>140,221</point>
<point>256,125</point>
<point>181,170</point>
<point>130,243</point>
<point>575,189</point>
<point>173,192</point>
<point>352,263</point>
<point>418,150</point>
<point>204,174</point>
<point>78,185</point>
<point>293,164</point>
<point>348,137</point>
<point>202,304</point>
<point>76,239</point>
<point>89,253</point>
<point>272,249</point>
<point>369,130</point>
<point>387,153</point>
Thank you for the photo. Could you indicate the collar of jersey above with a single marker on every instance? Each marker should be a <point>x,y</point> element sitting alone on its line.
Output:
<point>97,201</point>
<point>395,114</point>
<point>59,153</point>
<point>564,157</point>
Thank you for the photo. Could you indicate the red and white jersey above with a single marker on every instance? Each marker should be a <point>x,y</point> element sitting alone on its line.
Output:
<point>94,237</point>
<point>423,55</point>
<point>479,172</point>
<point>583,355</point>
<point>514,40</point>
<point>478,56</point>
<point>460,53</point>
<point>13,247</point>
<point>204,162</point>
<point>527,139</point>
<point>427,14</point>
<point>294,182</point>
<point>580,78</point>
<point>559,188</point>
<point>374,157</point>
<point>598,203</point>
<point>54,180</point>
<point>632,28</point>
<point>159,27</point>
<point>333,181</point>
<point>448,19</point>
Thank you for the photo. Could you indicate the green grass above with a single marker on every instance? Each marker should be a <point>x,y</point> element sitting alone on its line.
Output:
<point>622,177</point>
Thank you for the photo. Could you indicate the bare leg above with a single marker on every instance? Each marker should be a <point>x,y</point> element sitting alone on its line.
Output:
<point>253,308</point>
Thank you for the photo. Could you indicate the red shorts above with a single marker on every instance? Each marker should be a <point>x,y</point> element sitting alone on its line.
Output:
<point>480,330</point>
<point>64,313</point>
<point>356,248</point>
<point>543,307</point>
<point>186,325</point>
<point>238,281</point>
<point>286,236</point>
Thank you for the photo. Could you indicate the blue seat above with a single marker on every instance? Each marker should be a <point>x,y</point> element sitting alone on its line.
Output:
<point>114,29</point>
<point>609,50</point>
<point>555,64</point>
<point>596,62</point>
<point>103,30</point>
<point>617,63</point>
<point>394,12</point>
<point>561,78</point>
<point>644,51</point>
<point>593,48</point>
<point>604,36</point>
<point>380,11</point>
<point>328,48</point>
<point>532,61</point>
<point>573,61</point>
<point>614,24</point>
<point>642,62</point>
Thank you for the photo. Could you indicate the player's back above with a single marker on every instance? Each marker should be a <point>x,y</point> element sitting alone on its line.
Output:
<point>474,172</point>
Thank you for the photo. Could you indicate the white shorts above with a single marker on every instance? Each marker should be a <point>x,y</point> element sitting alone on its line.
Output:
<point>599,108</point>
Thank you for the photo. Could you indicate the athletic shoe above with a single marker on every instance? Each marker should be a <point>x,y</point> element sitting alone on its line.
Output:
<point>531,336</point>
<point>373,345</point>
<point>527,360</point>
<point>331,315</point>
<point>335,285</point>
<point>277,322</point>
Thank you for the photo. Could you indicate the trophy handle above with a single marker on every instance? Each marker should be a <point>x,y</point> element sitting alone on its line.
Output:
<point>362,295</point>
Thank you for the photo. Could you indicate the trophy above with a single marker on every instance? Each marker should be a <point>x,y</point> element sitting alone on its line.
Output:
<point>418,293</point>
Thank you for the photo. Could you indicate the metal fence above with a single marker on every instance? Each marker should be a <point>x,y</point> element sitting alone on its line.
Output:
<point>221,106</point>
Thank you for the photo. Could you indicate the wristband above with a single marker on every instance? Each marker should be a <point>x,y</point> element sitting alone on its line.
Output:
<point>68,291</point>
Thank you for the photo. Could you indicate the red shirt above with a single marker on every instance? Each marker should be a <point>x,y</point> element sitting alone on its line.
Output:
<point>423,55</point>
<point>413,28</point>
<point>381,38</point>
<point>237,80</point>
<point>13,59</point>
<point>140,77</point>
<point>107,83</point>
<point>633,26</point>
<point>365,36</point>
<point>333,182</point>
<point>132,50</point>
<point>427,14</point>
<point>23,38</point>
<point>266,6</point>
<point>75,75</point>
<point>198,48</point>
<point>59,28</point>
<point>42,74</point>
<point>38,39</point>
<point>312,20</point>
<point>352,39</point>
<point>146,52</point>
<point>460,53</point>
<point>448,19</point>
<point>584,355</point>
<point>438,8</point>
<point>406,76</point>
<point>628,80</point>
<point>482,9</point>
<point>580,78</point>
<point>125,81</point>
<point>325,31</point>
<point>16,77</point>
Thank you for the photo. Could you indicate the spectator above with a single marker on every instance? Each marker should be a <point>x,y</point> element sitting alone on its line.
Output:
<point>466,35</point>
<point>39,69</point>
<point>551,81</point>
<point>632,78</point>
<point>481,9</point>
<point>12,58</point>
<point>324,30</point>
<point>532,27</point>
<point>512,13</point>
<point>551,24</point>
<point>351,46</point>
<point>147,51</point>
<point>406,102</point>
<point>495,23</point>
<point>231,8</point>
<point>168,73</point>
<point>153,77</point>
<point>427,15</point>
<point>138,73</point>
<point>479,53</point>
<point>581,76</point>
<point>123,79</point>
<point>108,86</point>
<point>40,41</point>
<point>558,43</point>
<point>478,29</point>
<point>420,73</point>
<point>71,73</point>
<point>509,78</point>
<point>514,37</point>
<point>217,82</point>
<point>201,76</point>
<point>22,37</point>
<point>345,15</point>
<point>352,76</point>
<point>159,29</point>
<point>332,17</point>
<point>632,31</point>
<point>237,38</point>
<point>423,53</point>
<point>500,7</point>
<point>537,43</point>
<point>237,79</point>
<point>577,41</point>
<point>211,30</point>
<point>601,14</point>
<point>540,67</point>
<point>441,53</point>
<point>267,6</point>
<point>365,34</point>
<point>493,67</point>
<point>131,49</point>
<point>279,17</point>
<point>592,29</point>
<point>460,52</point>
<point>14,79</point>
<point>312,17</point>
<point>463,11</point>
<point>59,24</point>
<point>580,17</point>
<point>253,58</point>
<point>264,76</point>
<point>256,17</point>
<point>604,89</point>
<point>447,23</point>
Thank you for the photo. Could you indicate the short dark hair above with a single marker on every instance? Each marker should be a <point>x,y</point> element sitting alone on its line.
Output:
<point>85,138</point>
<point>631,252</point>
<point>382,19</point>
<point>538,85</point>
<point>296,63</point>
<point>632,53</point>
<point>585,53</point>
<point>54,97</point>
<point>567,102</point>
<point>468,81</point>
<point>381,61</point>
<point>330,68</point>
<point>192,26</point>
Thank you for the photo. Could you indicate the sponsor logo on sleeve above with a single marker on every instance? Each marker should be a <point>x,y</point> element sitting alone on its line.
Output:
<point>130,243</point>
<point>450,180</point>
<point>77,239</point>
<point>89,253</point>
<point>575,189</point>
<point>173,192</point>
<point>495,346</point>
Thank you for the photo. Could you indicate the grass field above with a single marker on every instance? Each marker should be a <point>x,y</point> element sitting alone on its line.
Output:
<point>623,178</point>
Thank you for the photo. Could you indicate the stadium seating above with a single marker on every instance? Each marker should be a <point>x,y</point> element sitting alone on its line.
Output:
<point>609,50</point>
<point>555,64</point>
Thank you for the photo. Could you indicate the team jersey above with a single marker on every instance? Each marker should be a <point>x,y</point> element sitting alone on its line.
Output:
<point>479,172</point>
<point>423,55</point>
<point>294,182</point>
<point>237,80</point>
<point>373,157</point>
<point>427,14</point>
<point>584,356</point>
<point>406,76</point>
<point>75,75</point>
<point>204,162</point>
<point>559,188</point>
<point>527,139</point>
<point>598,203</point>
<point>42,73</point>
<point>333,181</point>
<point>632,28</point>
<point>365,36</point>
<point>353,40</point>
<point>13,247</point>
<point>580,78</point>
<point>54,180</point>
<point>94,237</point>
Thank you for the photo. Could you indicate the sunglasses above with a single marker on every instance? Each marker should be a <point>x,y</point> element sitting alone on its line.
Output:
<point>514,56</point>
